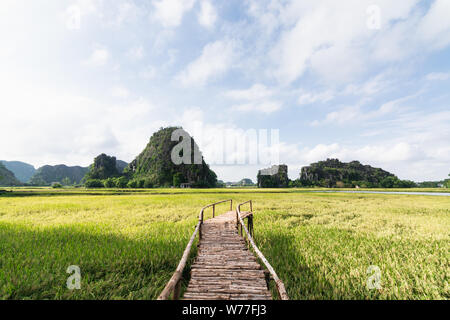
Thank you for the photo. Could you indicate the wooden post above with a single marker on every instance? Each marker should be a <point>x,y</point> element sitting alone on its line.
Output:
<point>214,211</point>
<point>176,290</point>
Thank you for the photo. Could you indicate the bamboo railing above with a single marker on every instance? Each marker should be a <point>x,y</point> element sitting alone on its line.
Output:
<point>279,284</point>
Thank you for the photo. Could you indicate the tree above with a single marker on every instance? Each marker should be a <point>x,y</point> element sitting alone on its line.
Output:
<point>388,182</point>
<point>94,183</point>
<point>66,181</point>
<point>178,179</point>
<point>447,182</point>
<point>121,182</point>
<point>109,183</point>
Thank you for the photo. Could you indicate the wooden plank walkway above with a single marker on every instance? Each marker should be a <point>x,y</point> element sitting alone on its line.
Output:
<point>224,268</point>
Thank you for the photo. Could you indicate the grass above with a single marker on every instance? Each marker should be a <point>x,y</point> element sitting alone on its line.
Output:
<point>128,243</point>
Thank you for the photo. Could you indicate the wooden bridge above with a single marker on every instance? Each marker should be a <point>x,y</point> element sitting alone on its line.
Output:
<point>225,268</point>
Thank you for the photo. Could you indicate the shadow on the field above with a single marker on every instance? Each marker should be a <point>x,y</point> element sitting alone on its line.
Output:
<point>301,281</point>
<point>34,262</point>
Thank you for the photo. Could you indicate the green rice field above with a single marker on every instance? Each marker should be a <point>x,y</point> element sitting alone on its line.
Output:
<point>128,243</point>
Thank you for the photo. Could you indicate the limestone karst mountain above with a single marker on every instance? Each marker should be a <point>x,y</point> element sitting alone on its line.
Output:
<point>155,164</point>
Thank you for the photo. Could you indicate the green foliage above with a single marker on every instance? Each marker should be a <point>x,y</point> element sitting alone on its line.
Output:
<point>332,173</point>
<point>94,183</point>
<point>178,179</point>
<point>447,182</point>
<point>56,185</point>
<point>132,184</point>
<point>430,184</point>
<point>121,182</point>
<point>109,183</point>
<point>66,181</point>
<point>104,167</point>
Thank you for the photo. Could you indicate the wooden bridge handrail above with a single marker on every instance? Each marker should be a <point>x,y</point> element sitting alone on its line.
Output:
<point>279,284</point>
<point>174,284</point>
<point>200,218</point>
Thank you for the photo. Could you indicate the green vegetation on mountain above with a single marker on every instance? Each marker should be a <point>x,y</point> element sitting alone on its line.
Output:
<point>46,175</point>
<point>274,177</point>
<point>334,173</point>
<point>7,178</point>
<point>154,166</point>
<point>104,167</point>
<point>22,171</point>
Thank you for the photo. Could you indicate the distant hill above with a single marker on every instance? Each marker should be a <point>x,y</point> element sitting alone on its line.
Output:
<point>334,173</point>
<point>242,183</point>
<point>273,177</point>
<point>121,165</point>
<point>7,178</point>
<point>155,164</point>
<point>23,171</point>
<point>47,174</point>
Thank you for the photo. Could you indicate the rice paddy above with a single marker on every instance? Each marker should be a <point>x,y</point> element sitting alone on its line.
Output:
<point>128,243</point>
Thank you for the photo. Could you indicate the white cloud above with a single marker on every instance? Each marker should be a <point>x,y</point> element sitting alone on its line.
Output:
<point>120,92</point>
<point>256,92</point>
<point>370,87</point>
<point>148,72</point>
<point>215,60</point>
<point>328,35</point>
<point>136,53</point>
<point>356,114</point>
<point>208,15</point>
<point>170,12</point>
<point>257,98</point>
<point>310,97</point>
<point>340,117</point>
<point>127,11</point>
<point>434,28</point>
<point>440,76</point>
<point>264,106</point>
<point>100,56</point>
<point>75,14</point>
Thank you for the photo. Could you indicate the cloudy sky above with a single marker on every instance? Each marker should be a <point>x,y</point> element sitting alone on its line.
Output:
<point>354,79</point>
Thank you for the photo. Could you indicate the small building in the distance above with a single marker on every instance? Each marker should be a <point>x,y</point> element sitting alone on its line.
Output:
<point>186,185</point>
<point>273,177</point>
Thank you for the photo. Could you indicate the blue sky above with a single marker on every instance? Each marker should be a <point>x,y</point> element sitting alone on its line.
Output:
<point>356,80</point>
